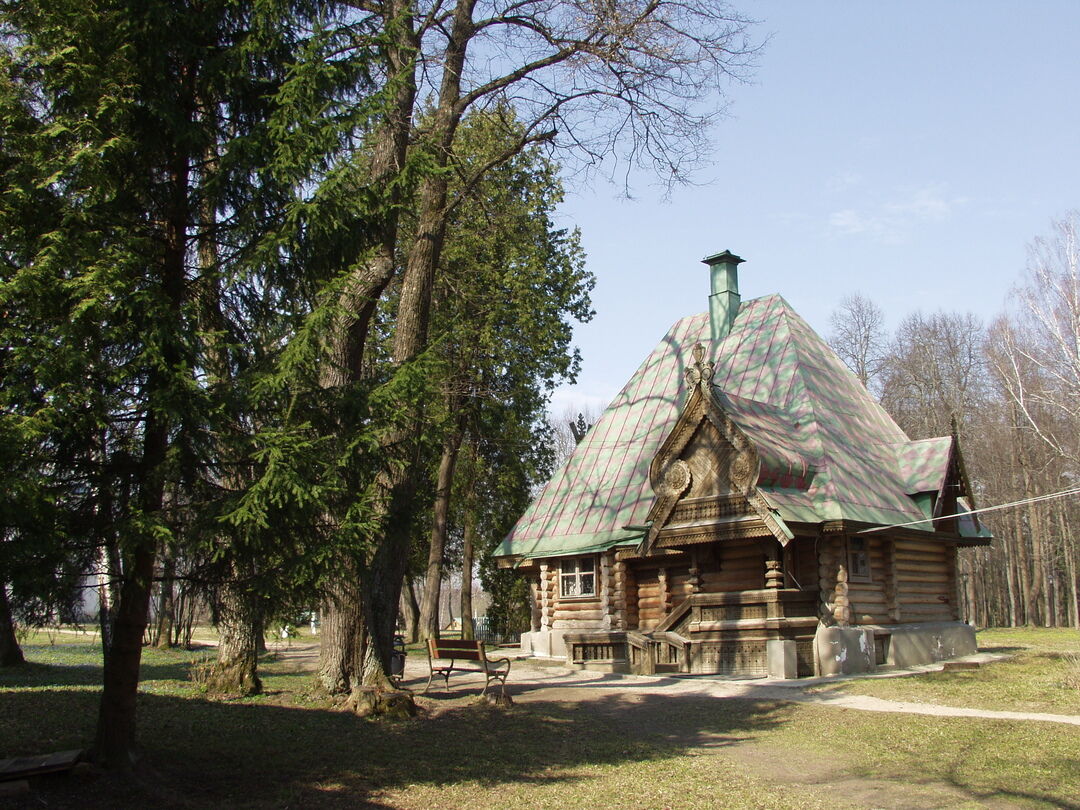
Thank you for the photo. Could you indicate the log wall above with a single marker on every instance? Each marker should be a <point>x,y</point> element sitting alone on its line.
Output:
<point>738,566</point>
<point>925,580</point>
<point>867,599</point>
<point>656,586</point>
<point>578,613</point>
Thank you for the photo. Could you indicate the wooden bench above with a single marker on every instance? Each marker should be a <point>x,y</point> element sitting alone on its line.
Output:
<point>457,650</point>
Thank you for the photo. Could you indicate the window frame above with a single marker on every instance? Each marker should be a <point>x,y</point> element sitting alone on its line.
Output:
<point>582,567</point>
<point>858,555</point>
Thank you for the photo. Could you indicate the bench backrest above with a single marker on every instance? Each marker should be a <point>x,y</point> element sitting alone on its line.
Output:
<point>461,649</point>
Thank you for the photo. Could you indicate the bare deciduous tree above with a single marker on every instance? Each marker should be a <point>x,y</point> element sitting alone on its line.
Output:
<point>569,428</point>
<point>1037,345</point>
<point>636,80</point>
<point>935,373</point>
<point>858,336</point>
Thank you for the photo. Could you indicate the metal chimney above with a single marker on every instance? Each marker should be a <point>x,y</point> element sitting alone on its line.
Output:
<point>724,301</point>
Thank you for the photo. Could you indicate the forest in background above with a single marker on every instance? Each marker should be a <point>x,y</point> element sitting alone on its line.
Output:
<point>1010,389</point>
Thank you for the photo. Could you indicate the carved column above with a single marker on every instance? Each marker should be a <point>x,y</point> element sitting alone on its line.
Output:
<point>695,573</point>
<point>841,602</point>
<point>546,607</point>
<point>630,589</point>
<point>665,592</point>
<point>607,584</point>
<point>827,565</point>
<point>619,601</point>
<point>536,592</point>
<point>774,570</point>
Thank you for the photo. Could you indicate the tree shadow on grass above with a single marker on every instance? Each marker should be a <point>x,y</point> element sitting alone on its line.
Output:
<point>205,753</point>
<point>81,665</point>
<point>199,752</point>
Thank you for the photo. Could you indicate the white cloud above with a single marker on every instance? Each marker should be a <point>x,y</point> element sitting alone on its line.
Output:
<point>892,220</point>
<point>842,181</point>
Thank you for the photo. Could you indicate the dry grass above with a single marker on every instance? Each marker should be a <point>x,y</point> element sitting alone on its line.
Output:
<point>1072,673</point>
<point>289,748</point>
<point>1041,675</point>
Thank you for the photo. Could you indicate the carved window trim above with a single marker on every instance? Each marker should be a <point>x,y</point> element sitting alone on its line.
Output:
<point>578,578</point>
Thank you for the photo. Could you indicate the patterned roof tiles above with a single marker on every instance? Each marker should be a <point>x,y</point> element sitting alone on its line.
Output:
<point>828,450</point>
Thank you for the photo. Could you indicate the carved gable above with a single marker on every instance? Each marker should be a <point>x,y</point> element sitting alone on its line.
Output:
<point>716,467</point>
<point>704,476</point>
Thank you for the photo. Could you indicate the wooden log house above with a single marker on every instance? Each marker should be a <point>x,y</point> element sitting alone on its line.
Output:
<point>745,507</point>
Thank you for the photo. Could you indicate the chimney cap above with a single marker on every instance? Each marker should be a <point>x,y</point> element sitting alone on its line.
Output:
<point>726,257</point>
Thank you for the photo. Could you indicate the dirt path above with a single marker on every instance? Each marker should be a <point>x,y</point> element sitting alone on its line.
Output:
<point>535,682</point>
<point>692,723</point>
<point>531,682</point>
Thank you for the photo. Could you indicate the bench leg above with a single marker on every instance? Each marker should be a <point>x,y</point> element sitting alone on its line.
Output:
<point>444,674</point>
<point>501,678</point>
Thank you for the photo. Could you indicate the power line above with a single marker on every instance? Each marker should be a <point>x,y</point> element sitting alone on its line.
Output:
<point>1036,499</point>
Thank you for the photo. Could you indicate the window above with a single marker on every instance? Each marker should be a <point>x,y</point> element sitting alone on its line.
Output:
<point>858,559</point>
<point>578,577</point>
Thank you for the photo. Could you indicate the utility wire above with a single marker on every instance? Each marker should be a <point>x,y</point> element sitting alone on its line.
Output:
<point>1062,494</point>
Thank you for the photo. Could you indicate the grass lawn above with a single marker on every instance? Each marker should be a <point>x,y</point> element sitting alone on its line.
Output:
<point>287,748</point>
<point>1042,675</point>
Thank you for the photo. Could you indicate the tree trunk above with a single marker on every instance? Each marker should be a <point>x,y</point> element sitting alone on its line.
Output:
<point>239,627</point>
<point>1010,582</point>
<point>971,594</point>
<point>115,744</point>
<point>411,608</point>
<point>11,653</point>
<point>384,575</point>
<point>342,637</point>
<point>1073,612</point>
<point>382,580</point>
<point>468,544</point>
<point>429,605</point>
<point>166,604</point>
<point>109,577</point>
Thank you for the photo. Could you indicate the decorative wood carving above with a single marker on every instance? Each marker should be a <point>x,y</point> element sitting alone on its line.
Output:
<point>774,574</point>
<point>691,510</point>
<point>536,612</point>
<point>707,456</point>
<point>545,596</point>
<point>607,587</point>
<point>665,592</point>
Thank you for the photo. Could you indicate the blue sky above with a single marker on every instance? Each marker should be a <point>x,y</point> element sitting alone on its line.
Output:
<point>908,151</point>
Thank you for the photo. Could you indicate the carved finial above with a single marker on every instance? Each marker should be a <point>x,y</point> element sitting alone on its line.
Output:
<point>701,372</point>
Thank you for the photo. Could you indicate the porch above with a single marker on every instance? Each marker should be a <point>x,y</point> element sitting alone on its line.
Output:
<point>753,634</point>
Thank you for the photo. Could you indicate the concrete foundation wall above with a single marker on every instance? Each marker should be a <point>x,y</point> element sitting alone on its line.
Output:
<point>850,650</point>
<point>924,643</point>
<point>544,643</point>
<point>843,650</point>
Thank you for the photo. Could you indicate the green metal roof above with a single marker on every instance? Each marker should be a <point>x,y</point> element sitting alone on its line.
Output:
<point>828,450</point>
